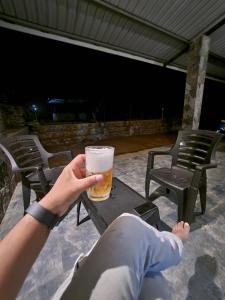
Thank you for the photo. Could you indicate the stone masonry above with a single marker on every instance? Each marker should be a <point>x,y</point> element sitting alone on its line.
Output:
<point>11,116</point>
<point>75,133</point>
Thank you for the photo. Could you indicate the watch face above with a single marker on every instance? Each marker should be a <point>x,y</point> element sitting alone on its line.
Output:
<point>144,208</point>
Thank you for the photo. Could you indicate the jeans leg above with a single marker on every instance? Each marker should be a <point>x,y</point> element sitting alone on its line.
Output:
<point>127,251</point>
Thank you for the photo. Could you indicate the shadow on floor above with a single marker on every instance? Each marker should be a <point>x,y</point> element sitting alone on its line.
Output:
<point>202,282</point>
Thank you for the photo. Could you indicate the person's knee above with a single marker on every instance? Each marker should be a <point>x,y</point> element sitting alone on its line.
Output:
<point>128,224</point>
<point>127,220</point>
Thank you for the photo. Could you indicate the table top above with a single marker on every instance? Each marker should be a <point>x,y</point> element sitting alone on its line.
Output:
<point>122,199</point>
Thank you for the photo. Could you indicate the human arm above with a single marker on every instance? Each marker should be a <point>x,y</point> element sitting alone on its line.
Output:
<point>20,248</point>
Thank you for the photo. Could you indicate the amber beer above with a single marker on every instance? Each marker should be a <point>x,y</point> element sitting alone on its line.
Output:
<point>99,160</point>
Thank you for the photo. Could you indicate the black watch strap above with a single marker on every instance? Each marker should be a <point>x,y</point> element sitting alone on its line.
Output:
<point>43,215</point>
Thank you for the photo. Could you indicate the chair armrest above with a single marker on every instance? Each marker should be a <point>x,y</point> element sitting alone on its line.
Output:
<point>44,183</point>
<point>198,173</point>
<point>206,166</point>
<point>67,153</point>
<point>151,157</point>
<point>26,169</point>
<point>158,152</point>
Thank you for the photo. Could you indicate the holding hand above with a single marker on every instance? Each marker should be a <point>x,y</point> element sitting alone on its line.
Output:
<point>69,185</point>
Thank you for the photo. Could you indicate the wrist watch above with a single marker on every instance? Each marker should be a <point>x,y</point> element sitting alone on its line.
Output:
<point>43,215</point>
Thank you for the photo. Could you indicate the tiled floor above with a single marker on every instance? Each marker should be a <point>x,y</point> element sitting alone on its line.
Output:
<point>201,274</point>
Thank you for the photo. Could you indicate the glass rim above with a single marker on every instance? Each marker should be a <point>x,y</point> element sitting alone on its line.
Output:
<point>99,147</point>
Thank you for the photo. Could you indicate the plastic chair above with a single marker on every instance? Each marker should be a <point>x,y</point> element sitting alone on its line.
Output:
<point>192,154</point>
<point>27,157</point>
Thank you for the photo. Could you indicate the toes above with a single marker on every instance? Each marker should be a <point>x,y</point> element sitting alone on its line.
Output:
<point>180,224</point>
<point>186,226</point>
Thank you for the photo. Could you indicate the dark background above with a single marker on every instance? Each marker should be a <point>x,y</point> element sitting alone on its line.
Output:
<point>94,85</point>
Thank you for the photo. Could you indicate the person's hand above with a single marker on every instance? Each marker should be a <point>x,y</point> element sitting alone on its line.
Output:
<point>68,186</point>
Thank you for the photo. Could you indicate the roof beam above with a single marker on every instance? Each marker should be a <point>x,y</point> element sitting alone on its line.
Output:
<point>210,29</point>
<point>217,61</point>
<point>60,36</point>
<point>215,27</point>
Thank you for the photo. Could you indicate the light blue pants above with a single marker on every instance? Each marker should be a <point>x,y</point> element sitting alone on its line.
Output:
<point>125,264</point>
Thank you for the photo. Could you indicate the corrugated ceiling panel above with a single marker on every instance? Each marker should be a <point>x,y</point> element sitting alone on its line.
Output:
<point>52,14</point>
<point>62,15</point>
<point>43,9</point>
<point>163,49</point>
<point>181,61</point>
<point>71,15</point>
<point>107,27</point>
<point>101,28</point>
<point>7,7</point>
<point>31,11</point>
<point>113,29</point>
<point>89,20</point>
<point>217,43</point>
<point>184,18</point>
<point>123,30</point>
<point>20,9</point>
<point>1,8</point>
<point>97,20</point>
<point>81,16</point>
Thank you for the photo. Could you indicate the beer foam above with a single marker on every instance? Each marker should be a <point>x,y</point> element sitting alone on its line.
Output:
<point>99,159</point>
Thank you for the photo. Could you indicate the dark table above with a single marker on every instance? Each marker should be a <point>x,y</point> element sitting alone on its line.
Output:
<point>122,199</point>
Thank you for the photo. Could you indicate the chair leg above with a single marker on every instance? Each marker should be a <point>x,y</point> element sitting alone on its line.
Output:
<point>189,205</point>
<point>202,192</point>
<point>160,191</point>
<point>78,213</point>
<point>147,187</point>
<point>180,205</point>
<point>26,194</point>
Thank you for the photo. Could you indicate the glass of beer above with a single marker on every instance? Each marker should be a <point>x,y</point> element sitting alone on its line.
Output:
<point>99,160</point>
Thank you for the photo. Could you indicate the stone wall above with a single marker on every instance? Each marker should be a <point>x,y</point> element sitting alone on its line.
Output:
<point>70,134</point>
<point>11,116</point>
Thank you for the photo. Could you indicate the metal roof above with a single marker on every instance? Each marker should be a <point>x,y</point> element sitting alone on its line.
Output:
<point>156,31</point>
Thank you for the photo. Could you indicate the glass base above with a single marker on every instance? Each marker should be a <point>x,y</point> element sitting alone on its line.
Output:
<point>98,198</point>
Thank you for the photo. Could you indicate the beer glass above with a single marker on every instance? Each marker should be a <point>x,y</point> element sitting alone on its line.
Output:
<point>99,160</point>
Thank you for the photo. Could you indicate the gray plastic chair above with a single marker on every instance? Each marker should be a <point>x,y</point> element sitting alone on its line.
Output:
<point>26,156</point>
<point>192,154</point>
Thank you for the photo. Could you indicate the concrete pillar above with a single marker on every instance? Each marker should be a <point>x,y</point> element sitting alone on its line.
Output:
<point>196,71</point>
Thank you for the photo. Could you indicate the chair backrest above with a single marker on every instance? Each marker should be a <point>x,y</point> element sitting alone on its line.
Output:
<point>26,150</point>
<point>194,147</point>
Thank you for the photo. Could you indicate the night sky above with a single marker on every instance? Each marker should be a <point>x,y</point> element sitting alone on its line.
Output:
<point>34,69</point>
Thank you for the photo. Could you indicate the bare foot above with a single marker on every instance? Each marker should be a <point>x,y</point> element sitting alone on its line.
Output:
<point>181,230</point>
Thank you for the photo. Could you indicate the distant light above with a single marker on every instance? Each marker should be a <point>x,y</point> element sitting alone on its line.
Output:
<point>55,100</point>
<point>34,107</point>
